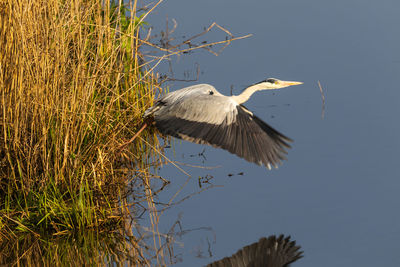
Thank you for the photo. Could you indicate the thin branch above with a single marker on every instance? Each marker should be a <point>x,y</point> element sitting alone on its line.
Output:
<point>323,100</point>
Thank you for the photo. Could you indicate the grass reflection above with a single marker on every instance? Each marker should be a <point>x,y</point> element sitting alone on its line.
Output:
<point>84,248</point>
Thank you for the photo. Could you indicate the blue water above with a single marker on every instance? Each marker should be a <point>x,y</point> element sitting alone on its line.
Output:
<point>338,194</point>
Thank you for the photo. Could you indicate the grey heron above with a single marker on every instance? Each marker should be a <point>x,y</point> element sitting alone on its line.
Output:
<point>202,115</point>
<point>267,252</point>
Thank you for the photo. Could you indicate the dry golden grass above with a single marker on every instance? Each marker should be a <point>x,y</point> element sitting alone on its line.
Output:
<point>72,92</point>
<point>73,88</point>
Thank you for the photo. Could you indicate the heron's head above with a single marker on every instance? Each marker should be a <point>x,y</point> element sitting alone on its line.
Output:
<point>272,83</point>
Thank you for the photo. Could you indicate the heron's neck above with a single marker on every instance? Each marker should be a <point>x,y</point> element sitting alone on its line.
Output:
<point>245,95</point>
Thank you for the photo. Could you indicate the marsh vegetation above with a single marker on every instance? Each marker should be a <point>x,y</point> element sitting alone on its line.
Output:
<point>72,92</point>
<point>74,85</point>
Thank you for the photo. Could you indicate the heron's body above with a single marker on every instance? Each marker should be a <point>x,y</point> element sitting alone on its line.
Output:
<point>202,115</point>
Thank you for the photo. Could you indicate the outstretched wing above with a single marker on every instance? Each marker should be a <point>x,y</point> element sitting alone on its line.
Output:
<point>218,121</point>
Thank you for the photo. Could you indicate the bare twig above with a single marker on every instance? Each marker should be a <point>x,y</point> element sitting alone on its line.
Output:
<point>323,100</point>
<point>198,166</point>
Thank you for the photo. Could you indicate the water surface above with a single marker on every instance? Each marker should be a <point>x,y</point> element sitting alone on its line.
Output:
<point>337,195</point>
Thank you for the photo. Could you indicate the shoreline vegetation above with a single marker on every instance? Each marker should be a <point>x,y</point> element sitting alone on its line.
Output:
<point>74,85</point>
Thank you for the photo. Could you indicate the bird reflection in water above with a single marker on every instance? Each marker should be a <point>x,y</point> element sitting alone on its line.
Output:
<point>267,252</point>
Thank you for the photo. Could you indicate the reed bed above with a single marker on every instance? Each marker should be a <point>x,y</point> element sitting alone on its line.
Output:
<point>72,92</point>
<point>73,88</point>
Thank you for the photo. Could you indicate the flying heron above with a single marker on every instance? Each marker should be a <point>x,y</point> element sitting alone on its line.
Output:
<point>202,115</point>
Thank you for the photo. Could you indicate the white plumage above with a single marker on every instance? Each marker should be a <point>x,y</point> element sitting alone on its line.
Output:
<point>201,114</point>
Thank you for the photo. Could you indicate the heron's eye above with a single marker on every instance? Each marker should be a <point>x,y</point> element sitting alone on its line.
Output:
<point>211,92</point>
<point>273,81</point>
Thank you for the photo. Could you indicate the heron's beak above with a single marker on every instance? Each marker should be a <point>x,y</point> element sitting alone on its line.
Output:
<point>289,83</point>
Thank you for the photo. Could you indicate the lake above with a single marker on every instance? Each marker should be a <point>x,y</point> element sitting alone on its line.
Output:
<point>338,193</point>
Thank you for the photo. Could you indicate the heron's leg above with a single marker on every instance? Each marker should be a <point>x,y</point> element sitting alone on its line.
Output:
<point>133,137</point>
